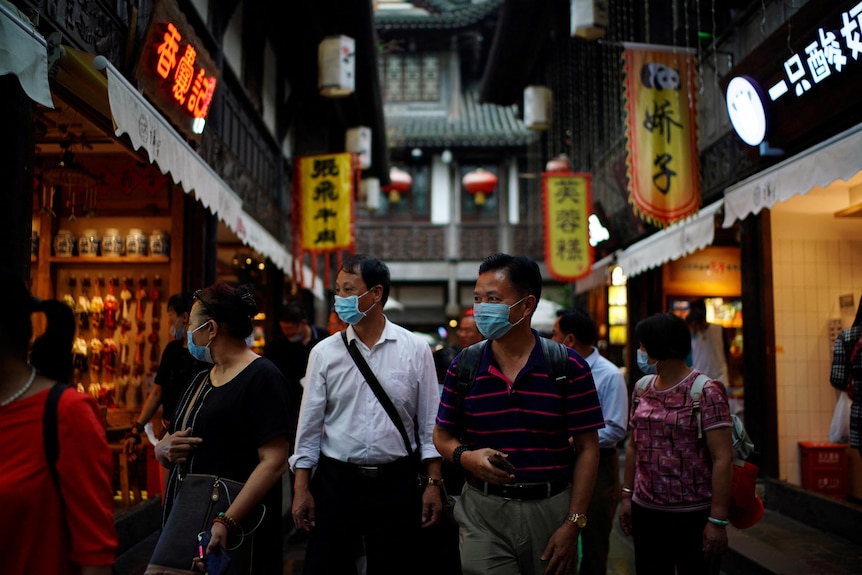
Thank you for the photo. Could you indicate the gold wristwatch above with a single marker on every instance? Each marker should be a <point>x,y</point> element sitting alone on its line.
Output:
<point>579,519</point>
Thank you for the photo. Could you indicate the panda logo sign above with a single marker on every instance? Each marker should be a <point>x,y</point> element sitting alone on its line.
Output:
<point>660,77</point>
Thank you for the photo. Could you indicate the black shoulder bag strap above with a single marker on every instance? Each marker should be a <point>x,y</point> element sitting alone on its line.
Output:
<point>378,390</point>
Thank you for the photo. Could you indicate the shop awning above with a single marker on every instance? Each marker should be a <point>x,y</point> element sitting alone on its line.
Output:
<point>24,52</point>
<point>598,275</point>
<point>834,159</point>
<point>678,240</point>
<point>148,129</point>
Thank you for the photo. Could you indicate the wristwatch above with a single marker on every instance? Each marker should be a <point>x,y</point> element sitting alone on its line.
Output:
<point>435,481</point>
<point>579,519</point>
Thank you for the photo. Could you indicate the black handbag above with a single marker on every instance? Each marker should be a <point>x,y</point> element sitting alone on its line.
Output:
<point>199,500</point>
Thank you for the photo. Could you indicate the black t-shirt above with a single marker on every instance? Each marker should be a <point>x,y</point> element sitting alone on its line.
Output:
<point>292,357</point>
<point>176,371</point>
<point>234,420</point>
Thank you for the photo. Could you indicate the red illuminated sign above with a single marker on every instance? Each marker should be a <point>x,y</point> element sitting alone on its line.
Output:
<point>175,70</point>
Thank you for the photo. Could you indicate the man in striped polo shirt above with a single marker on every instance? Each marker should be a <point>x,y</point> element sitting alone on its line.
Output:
<point>527,519</point>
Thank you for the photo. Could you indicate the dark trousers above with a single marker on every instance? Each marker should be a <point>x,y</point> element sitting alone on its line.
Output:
<point>666,540</point>
<point>356,515</point>
<point>595,538</point>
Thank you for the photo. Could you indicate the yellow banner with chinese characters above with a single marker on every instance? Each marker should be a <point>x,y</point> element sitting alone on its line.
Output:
<point>326,202</point>
<point>567,204</point>
<point>661,128</point>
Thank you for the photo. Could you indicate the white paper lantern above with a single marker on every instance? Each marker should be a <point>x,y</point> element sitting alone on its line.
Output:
<point>336,66</point>
<point>537,107</point>
<point>369,191</point>
<point>358,141</point>
<point>589,18</point>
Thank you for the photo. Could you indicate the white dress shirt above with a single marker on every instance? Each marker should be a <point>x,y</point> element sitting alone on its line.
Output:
<point>340,416</point>
<point>613,397</point>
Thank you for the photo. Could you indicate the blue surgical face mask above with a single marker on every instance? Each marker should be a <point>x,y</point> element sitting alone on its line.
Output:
<point>347,308</point>
<point>492,319</point>
<point>199,352</point>
<point>644,365</point>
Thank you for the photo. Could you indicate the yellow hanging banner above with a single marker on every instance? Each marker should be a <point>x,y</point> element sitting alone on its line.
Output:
<point>326,202</point>
<point>568,204</point>
<point>661,128</point>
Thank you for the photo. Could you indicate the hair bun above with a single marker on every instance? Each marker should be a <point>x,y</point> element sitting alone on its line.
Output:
<point>249,306</point>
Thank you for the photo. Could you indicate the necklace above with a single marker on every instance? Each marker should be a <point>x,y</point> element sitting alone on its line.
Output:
<point>21,391</point>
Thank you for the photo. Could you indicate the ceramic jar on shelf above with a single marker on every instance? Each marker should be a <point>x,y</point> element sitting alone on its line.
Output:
<point>64,243</point>
<point>136,243</point>
<point>160,243</point>
<point>112,243</point>
<point>89,244</point>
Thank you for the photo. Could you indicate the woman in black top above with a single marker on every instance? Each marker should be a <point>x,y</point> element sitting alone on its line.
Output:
<point>232,422</point>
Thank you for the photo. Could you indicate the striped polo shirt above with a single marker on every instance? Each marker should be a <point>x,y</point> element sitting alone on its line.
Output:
<point>531,419</point>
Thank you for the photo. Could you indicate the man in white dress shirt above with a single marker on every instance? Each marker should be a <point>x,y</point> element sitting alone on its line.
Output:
<point>707,343</point>
<point>576,329</point>
<point>362,499</point>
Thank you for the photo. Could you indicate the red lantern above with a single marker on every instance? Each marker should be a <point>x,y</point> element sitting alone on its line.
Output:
<point>480,183</point>
<point>559,164</point>
<point>401,182</point>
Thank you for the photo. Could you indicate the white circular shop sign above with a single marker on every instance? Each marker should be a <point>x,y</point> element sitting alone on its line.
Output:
<point>746,111</point>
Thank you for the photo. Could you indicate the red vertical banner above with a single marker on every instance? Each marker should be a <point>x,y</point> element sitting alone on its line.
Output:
<point>325,207</point>
<point>661,129</point>
<point>568,203</point>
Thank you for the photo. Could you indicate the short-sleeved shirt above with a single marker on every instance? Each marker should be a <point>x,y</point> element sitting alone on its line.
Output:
<point>530,419</point>
<point>233,420</point>
<point>177,369</point>
<point>673,468</point>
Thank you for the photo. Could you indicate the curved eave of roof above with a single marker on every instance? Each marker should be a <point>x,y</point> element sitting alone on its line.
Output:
<point>447,15</point>
<point>480,125</point>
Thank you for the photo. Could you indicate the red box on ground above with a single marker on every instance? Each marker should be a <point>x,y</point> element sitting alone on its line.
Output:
<point>823,467</point>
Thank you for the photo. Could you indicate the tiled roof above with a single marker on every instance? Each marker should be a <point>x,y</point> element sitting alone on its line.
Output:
<point>482,125</point>
<point>444,14</point>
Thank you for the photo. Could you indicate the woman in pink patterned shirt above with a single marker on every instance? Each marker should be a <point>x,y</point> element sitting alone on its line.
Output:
<point>676,489</point>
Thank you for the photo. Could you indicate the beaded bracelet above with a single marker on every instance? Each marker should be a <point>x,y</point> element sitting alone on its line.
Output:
<point>226,520</point>
<point>719,522</point>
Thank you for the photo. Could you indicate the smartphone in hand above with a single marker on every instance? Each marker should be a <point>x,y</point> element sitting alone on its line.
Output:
<point>218,561</point>
<point>503,463</point>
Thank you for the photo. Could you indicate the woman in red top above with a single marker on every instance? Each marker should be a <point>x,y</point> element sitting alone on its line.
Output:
<point>43,532</point>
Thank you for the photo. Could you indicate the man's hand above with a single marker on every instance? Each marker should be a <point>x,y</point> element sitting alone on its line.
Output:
<point>432,505</point>
<point>562,550</point>
<point>303,509</point>
<point>478,463</point>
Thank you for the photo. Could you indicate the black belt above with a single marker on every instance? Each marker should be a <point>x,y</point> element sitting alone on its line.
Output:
<point>521,491</point>
<point>608,451</point>
<point>371,471</point>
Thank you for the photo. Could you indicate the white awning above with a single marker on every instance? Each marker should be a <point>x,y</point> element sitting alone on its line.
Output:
<point>680,239</point>
<point>598,276</point>
<point>837,158</point>
<point>148,129</point>
<point>24,52</point>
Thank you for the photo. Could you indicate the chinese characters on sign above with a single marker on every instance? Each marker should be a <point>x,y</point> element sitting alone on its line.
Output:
<point>191,88</point>
<point>568,204</point>
<point>326,202</point>
<point>825,55</point>
<point>175,70</point>
<point>661,105</point>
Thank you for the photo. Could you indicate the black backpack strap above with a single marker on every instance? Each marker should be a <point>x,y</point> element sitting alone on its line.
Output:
<point>468,366</point>
<point>556,360</point>
<point>50,430</point>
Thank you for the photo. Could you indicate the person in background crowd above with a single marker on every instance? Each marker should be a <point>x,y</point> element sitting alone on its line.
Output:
<point>468,334</point>
<point>289,352</point>
<point>63,524</point>
<point>176,370</point>
<point>576,329</point>
<point>846,373</point>
<point>232,421</point>
<point>334,323</point>
<point>676,488</point>
<point>363,494</point>
<point>708,348</point>
<point>525,520</point>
